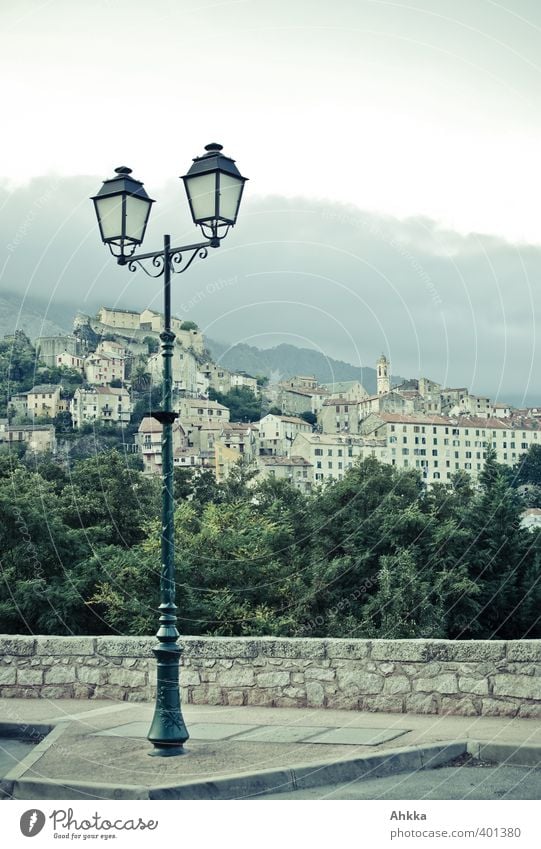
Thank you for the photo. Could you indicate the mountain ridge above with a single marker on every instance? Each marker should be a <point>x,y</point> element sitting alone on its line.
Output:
<point>285,360</point>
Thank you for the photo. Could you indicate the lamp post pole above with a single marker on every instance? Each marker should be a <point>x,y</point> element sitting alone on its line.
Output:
<point>168,730</point>
<point>214,188</point>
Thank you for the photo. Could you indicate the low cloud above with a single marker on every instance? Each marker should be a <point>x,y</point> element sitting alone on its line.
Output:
<point>461,309</point>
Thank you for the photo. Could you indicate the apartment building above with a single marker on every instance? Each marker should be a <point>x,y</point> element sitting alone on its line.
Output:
<point>297,470</point>
<point>346,390</point>
<point>100,369</point>
<point>148,441</point>
<point>37,438</point>
<point>439,446</point>
<point>104,404</point>
<point>331,455</point>
<point>187,376</point>
<point>43,400</point>
<point>276,433</point>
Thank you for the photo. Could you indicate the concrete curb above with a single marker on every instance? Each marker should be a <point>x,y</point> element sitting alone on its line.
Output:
<point>248,785</point>
<point>258,783</point>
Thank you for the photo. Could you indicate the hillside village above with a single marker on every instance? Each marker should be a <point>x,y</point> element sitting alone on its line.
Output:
<point>303,431</point>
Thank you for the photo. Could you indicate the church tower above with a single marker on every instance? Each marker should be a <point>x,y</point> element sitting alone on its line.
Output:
<point>383,371</point>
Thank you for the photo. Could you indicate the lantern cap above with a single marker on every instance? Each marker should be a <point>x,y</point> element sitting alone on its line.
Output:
<point>214,160</point>
<point>121,183</point>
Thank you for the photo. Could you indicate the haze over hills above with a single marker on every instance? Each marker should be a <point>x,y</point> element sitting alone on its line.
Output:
<point>284,361</point>
<point>33,316</point>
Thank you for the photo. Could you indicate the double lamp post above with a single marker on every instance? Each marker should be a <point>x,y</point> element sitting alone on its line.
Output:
<point>214,188</point>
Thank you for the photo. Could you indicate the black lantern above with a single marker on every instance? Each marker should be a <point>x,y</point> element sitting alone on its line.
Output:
<point>214,187</point>
<point>123,209</point>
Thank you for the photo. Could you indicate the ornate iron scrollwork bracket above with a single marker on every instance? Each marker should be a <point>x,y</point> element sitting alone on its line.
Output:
<point>179,259</point>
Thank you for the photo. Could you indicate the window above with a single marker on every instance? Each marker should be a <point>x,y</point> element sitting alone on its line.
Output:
<point>318,452</point>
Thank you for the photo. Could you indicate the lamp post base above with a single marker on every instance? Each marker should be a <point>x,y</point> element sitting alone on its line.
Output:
<point>167,751</point>
<point>168,733</point>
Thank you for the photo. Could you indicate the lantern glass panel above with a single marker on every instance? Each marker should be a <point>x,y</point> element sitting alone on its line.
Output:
<point>110,216</point>
<point>202,194</point>
<point>137,212</point>
<point>230,192</point>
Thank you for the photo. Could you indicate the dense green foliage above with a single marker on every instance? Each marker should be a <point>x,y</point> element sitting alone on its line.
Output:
<point>244,406</point>
<point>374,554</point>
<point>17,367</point>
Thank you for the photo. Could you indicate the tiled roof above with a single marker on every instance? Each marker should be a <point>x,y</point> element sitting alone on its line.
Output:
<point>43,389</point>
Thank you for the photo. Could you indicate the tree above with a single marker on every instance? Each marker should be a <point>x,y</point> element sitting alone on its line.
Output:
<point>188,325</point>
<point>241,401</point>
<point>309,417</point>
<point>107,495</point>
<point>63,422</point>
<point>152,344</point>
<point>140,377</point>
<point>528,468</point>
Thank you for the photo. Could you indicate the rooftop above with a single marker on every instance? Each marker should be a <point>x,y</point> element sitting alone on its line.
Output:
<point>44,389</point>
<point>284,461</point>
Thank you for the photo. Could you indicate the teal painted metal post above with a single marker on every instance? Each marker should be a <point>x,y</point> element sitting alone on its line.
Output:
<point>168,732</point>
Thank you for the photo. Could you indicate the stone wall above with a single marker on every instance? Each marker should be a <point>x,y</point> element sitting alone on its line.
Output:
<point>494,678</point>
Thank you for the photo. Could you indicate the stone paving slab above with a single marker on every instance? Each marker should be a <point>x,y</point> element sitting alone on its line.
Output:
<point>358,736</point>
<point>282,734</point>
<point>268,733</point>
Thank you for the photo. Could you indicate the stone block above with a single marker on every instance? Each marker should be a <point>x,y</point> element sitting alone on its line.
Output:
<point>395,684</point>
<point>125,646</point>
<point>60,675</point>
<point>285,702</point>
<point>459,707</point>
<point>142,695</point>
<point>127,677</point>
<point>297,678</point>
<point>273,679</point>
<point>54,646</point>
<point>237,676</point>
<point>347,649</point>
<point>315,694</point>
<point>524,650</point>
<point>18,646</point>
<point>219,647</point>
<point>469,684</point>
<point>189,677</point>
<point>110,691</point>
<point>412,650</point>
<point>65,692</point>
<point>343,701</point>
<point>383,704</point>
<point>92,675</point>
<point>352,681</point>
<point>520,686</point>
<point>235,698</point>
<point>293,647</point>
<point>499,707</point>
<point>263,698</point>
<point>386,668</point>
<point>530,711</point>
<point>416,703</point>
<point>83,691</point>
<point>319,673</point>
<point>465,650</point>
<point>21,693</point>
<point>214,695</point>
<point>29,676</point>
<point>438,684</point>
<point>8,675</point>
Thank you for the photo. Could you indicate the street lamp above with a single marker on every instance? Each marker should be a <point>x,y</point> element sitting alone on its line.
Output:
<point>214,188</point>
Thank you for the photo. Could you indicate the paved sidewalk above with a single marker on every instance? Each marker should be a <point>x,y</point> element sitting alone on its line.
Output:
<point>103,743</point>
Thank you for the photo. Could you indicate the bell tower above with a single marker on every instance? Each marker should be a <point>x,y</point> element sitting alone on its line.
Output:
<point>383,372</point>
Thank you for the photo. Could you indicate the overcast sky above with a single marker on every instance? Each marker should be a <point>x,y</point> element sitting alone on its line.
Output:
<point>392,150</point>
